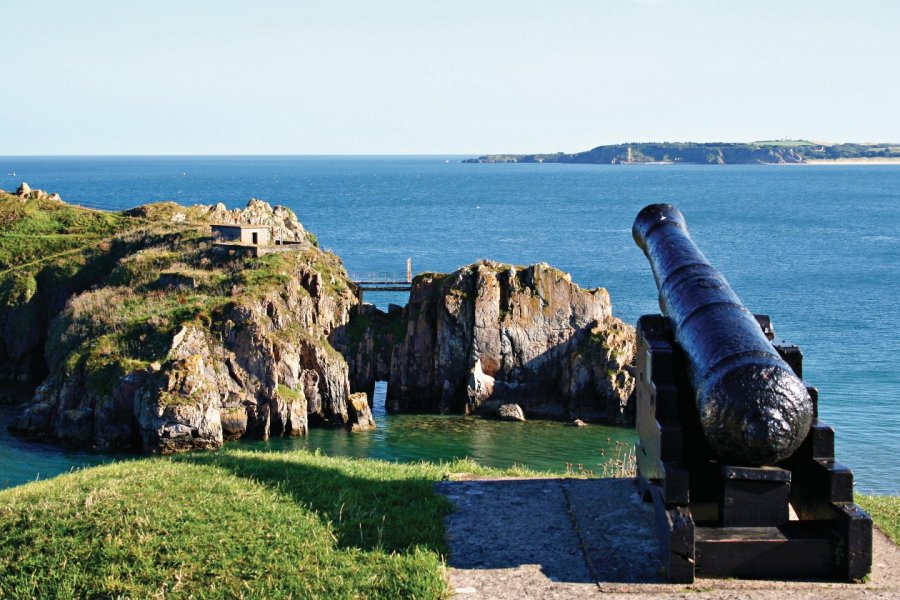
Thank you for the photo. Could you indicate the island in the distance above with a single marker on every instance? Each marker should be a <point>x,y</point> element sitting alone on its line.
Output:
<point>712,153</point>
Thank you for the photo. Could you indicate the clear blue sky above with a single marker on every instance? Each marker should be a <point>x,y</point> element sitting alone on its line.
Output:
<point>448,76</point>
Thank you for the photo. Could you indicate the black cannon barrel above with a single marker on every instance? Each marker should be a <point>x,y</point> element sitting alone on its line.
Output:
<point>753,409</point>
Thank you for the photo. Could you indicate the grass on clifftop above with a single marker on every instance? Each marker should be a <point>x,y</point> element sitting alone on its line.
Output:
<point>885,511</point>
<point>35,229</point>
<point>229,524</point>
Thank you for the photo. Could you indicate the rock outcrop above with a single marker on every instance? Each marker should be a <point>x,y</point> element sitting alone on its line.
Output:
<point>281,220</point>
<point>489,336</point>
<point>167,343</point>
<point>25,192</point>
<point>262,368</point>
<point>361,413</point>
<point>510,412</point>
<point>255,363</point>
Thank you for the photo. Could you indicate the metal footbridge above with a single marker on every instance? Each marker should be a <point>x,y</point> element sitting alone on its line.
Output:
<point>382,282</point>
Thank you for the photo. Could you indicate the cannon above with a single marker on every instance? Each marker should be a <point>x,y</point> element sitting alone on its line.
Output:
<point>753,408</point>
<point>740,469</point>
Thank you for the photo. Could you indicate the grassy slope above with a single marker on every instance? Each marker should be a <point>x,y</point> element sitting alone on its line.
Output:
<point>50,236</point>
<point>128,322</point>
<point>241,523</point>
<point>34,229</point>
<point>228,524</point>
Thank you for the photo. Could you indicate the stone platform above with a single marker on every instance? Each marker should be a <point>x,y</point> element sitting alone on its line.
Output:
<point>579,538</point>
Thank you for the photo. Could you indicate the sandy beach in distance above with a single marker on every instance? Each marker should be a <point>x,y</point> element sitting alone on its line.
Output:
<point>852,161</point>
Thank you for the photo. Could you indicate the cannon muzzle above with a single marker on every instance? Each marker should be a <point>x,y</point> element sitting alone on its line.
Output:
<point>753,409</point>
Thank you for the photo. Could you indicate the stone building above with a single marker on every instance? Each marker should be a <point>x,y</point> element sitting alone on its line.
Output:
<point>255,235</point>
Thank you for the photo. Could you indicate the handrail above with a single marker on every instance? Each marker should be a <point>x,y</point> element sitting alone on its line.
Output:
<point>382,277</point>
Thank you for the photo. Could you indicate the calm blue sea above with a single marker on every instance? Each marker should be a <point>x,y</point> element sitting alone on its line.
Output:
<point>815,247</point>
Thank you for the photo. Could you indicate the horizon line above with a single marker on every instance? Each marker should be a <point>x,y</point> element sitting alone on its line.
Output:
<point>418,154</point>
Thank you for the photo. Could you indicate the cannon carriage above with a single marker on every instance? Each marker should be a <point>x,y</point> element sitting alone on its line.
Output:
<point>740,469</point>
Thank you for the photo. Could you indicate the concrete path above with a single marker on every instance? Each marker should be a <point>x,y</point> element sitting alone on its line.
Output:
<point>580,538</point>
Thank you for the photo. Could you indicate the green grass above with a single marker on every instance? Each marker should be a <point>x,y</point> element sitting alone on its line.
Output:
<point>238,523</point>
<point>885,511</point>
<point>229,524</point>
<point>265,271</point>
<point>37,229</point>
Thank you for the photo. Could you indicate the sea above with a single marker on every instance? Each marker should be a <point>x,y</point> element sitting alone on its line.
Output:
<point>817,248</point>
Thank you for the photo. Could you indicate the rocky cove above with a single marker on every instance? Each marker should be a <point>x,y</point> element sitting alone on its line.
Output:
<point>142,333</point>
<point>499,340</point>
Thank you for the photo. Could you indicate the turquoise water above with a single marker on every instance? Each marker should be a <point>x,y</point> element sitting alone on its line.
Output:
<point>816,248</point>
<point>540,445</point>
<point>22,461</point>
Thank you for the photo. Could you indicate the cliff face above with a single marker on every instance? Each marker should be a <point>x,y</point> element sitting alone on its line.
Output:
<point>184,346</point>
<point>368,342</point>
<point>491,335</point>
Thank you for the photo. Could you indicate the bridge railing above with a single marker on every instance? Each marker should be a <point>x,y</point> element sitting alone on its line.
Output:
<point>378,277</point>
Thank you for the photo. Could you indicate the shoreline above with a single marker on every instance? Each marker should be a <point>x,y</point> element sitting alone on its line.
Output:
<point>850,161</point>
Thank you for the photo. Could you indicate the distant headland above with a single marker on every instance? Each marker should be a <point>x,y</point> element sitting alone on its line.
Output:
<point>714,153</point>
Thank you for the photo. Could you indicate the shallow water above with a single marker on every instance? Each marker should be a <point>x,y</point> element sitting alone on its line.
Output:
<point>539,445</point>
<point>23,461</point>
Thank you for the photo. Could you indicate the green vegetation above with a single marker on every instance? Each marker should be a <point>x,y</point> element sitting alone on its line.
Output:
<point>291,395</point>
<point>259,273</point>
<point>109,290</point>
<point>396,329</point>
<point>329,266</point>
<point>37,228</point>
<point>885,511</point>
<point>169,277</point>
<point>48,251</point>
<point>229,524</point>
<point>356,329</point>
<point>42,235</point>
<point>593,345</point>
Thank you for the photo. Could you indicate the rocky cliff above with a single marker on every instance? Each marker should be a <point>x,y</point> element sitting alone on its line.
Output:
<point>146,335</point>
<point>491,335</point>
<point>183,345</point>
<point>368,343</point>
